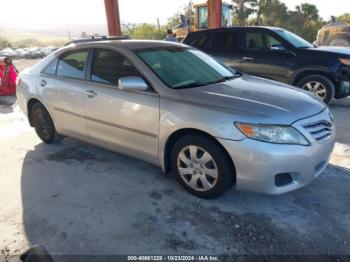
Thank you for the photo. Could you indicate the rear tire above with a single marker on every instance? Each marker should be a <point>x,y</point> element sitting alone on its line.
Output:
<point>320,86</point>
<point>43,124</point>
<point>341,42</point>
<point>202,167</point>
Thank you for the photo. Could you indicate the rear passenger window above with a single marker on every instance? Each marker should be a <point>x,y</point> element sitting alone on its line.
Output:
<point>108,66</point>
<point>220,40</point>
<point>225,40</point>
<point>51,69</point>
<point>72,64</point>
<point>202,42</point>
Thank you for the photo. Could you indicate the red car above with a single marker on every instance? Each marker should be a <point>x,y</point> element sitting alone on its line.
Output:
<point>8,77</point>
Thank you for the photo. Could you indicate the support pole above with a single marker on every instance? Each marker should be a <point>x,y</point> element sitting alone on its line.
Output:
<point>214,13</point>
<point>113,18</point>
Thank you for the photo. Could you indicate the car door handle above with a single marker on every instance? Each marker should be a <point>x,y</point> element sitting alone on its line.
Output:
<point>91,93</point>
<point>43,83</point>
<point>247,58</point>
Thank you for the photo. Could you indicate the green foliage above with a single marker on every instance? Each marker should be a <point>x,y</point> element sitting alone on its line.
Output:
<point>187,11</point>
<point>242,9</point>
<point>344,18</point>
<point>4,42</point>
<point>304,20</point>
<point>270,12</point>
<point>173,21</point>
<point>308,11</point>
<point>146,31</point>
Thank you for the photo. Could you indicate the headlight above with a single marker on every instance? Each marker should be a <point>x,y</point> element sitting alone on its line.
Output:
<point>345,61</point>
<point>273,134</point>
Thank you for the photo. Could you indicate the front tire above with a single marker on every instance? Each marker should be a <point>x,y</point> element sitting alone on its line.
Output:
<point>321,86</point>
<point>202,167</point>
<point>43,124</point>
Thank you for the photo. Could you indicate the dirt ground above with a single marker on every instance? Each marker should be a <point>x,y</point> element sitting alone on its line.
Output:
<point>79,199</point>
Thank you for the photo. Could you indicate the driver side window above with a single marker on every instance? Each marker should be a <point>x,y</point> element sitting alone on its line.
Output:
<point>254,41</point>
<point>260,41</point>
<point>271,41</point>
<point>108,66</point>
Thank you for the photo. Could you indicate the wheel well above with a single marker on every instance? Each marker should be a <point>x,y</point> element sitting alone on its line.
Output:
<point>306,73</point>
<point>189,131</point>
<point>31,103</point>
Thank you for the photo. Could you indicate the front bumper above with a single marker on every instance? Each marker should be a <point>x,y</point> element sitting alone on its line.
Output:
<point>257,163</point>
<point>343,77</point>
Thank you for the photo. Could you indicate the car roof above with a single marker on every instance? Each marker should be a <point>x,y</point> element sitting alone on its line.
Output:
<point>128,44</point>
<point>236,27</point>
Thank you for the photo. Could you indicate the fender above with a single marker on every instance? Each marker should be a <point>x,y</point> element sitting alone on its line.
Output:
<point>303,70</point>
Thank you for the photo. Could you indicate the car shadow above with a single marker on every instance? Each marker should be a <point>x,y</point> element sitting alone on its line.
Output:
<point>7,104</point>
<point>79,199</point>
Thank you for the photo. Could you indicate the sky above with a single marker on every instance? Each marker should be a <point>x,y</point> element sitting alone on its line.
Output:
<point>47,13</point>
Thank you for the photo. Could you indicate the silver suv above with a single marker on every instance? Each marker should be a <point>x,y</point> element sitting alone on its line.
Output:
<point>176,107</point>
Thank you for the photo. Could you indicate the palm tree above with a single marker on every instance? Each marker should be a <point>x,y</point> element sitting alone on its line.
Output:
<point>243,9</point>
<point>261,7</point>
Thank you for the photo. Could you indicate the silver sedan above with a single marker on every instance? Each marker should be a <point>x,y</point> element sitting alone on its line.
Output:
<point>178,108</point>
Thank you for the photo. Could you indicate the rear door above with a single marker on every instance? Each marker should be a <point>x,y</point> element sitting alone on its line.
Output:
<point>61,86</point>
<point>127,120</point>
<point>259,57</point>
<point>224,45</point>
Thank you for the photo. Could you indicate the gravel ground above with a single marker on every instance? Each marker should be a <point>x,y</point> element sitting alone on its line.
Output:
<point>79,199</point>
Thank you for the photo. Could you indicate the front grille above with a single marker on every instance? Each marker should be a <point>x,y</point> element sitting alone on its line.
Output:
<point>321,131</point>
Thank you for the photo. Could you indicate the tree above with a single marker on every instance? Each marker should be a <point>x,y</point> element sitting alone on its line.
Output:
<point>4,43</point>
<point>242,9</point>
<point>270,12</point>
<point>173,21</point>
<point>260,7</point>
<point>305,21</point>
<point>344,18</point>
<point>308,11</point>
<point>146,31</point>
<point>187,11</point>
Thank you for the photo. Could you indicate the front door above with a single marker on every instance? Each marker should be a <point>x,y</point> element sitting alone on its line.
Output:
<point>264,55</point>
<point>129,120</point>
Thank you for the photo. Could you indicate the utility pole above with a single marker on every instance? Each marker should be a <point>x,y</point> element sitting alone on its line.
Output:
<point>214,13</point>
<point>158,24</point>
<point>113,17</point>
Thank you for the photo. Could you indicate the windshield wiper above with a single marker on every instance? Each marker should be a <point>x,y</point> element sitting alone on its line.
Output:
<point>196,84</point>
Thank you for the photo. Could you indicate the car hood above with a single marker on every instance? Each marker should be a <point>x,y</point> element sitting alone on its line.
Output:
<point>332,49</point>
<point>256,100</point>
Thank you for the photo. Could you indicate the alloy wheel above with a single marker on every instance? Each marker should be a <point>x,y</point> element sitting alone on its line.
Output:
<point>317,88</point>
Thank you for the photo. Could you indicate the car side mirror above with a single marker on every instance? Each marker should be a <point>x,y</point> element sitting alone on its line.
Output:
<point>132,83</point>
<point>278,48</point>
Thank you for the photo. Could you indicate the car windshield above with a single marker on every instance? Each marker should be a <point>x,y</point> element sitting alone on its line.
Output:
<point>293,39</point>
<point>180,67</point>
